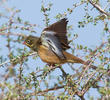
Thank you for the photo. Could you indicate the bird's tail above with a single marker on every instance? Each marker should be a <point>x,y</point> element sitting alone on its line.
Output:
<point>73,59</point>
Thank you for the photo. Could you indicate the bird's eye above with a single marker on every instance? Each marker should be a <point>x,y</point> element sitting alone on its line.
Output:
<point>28,41</point>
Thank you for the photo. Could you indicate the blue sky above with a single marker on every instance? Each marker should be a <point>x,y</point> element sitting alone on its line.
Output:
<point>90,35</point>
<point>30,10</point>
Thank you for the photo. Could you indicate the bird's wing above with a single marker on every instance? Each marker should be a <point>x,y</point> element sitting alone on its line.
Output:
<point>53,43</point>
<point>59,29</point>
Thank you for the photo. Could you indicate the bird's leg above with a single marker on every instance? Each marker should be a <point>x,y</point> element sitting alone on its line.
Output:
<point>51,65</point>
<point>49,69</point>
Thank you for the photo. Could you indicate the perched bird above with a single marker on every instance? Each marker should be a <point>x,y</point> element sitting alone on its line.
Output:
<point>51,46</point>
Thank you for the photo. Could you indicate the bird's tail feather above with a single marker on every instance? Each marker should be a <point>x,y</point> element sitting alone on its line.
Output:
<point>73,59</point>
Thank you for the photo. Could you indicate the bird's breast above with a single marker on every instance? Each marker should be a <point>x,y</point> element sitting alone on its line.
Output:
<point>48,56</point>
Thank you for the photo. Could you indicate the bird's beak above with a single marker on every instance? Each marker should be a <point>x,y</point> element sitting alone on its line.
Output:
<point>24,43</point>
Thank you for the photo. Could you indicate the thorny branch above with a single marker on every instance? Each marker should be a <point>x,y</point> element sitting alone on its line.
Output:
<point>99,8</point>
<point>15,34</point>
<point>17,58</point>
<point>79,93</point>
<point>51,89</point>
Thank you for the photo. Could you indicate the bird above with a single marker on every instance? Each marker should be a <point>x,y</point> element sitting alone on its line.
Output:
<point>51,46</point>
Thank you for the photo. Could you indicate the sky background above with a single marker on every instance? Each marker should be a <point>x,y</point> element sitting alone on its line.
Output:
<point>31,11</point>
<point>90,35</point>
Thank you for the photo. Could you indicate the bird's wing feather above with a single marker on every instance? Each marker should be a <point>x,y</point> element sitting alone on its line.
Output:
<point>59,30</point>
<point>52,42</point>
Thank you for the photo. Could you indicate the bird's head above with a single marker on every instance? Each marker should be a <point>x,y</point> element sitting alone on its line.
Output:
<point>31,41</point>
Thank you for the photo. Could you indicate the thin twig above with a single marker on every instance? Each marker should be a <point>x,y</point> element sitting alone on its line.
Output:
<point>99,8</point>
<point>18,57</point>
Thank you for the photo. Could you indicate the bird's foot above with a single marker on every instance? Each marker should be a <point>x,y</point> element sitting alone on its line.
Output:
<point>51,65</point>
